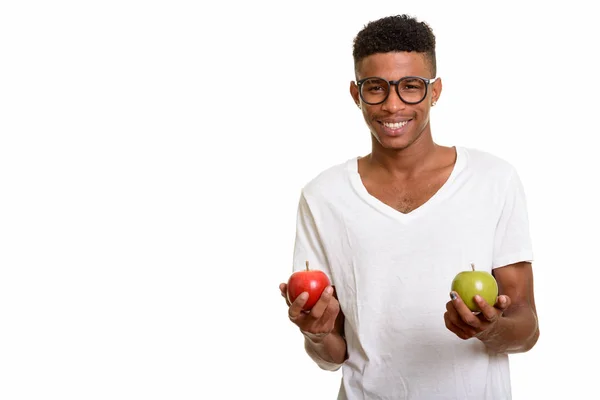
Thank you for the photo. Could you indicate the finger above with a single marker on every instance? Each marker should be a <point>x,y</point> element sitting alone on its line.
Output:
<point>456,321</point>
<point>283,289</point>
<point>295,309</point>
<point>463,311</point>
<point>321,305</point>
<point>503,302</point>
<point>454,328</point>
<point>489,312</point>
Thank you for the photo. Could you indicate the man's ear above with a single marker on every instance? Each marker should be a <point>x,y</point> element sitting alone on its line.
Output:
<point>354,93</point>
<point>436,90</point>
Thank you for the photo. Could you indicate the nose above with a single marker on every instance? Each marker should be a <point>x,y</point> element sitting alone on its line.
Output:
<point>393,102</point>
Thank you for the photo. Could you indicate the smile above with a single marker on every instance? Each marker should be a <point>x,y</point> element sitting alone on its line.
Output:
<point>394,125</point>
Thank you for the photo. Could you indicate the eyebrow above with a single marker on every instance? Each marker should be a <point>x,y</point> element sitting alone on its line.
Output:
<point>411,79</point>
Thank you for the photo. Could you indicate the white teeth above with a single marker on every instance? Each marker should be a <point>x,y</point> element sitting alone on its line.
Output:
<point>395,125</point>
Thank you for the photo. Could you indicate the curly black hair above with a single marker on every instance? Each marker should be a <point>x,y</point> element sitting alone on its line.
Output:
<point>395,33</point>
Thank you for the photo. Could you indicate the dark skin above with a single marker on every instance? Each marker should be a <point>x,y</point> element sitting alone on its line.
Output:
<point>405,167</point>
<point>322,327</point>
<point>510,326</point>
<point>404,170</point>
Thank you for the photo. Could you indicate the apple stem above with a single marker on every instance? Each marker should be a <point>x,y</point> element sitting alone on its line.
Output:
<point>307,265</point>
<point>473,266</point>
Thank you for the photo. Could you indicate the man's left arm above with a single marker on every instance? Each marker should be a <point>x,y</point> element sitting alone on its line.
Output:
<point>509,326</point>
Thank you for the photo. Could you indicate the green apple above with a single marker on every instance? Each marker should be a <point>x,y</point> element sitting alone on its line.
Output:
<point>470,283</point>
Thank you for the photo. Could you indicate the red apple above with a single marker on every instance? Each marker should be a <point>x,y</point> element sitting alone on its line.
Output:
<point>311,281</point>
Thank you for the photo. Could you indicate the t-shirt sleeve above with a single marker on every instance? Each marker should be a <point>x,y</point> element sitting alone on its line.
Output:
<point>512,242</point>
<point>309,247</point>
<point>308,243</point>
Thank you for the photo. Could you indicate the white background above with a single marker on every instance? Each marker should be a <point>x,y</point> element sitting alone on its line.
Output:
<point>151,158</point>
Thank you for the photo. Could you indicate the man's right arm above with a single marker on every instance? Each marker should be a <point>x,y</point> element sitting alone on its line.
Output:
<point>322,327</point>
<point>330,351</point>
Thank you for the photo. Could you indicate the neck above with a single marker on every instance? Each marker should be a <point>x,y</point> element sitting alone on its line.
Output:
<point>408,160</point>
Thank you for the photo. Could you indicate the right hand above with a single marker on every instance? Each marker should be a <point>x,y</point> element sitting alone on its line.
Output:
<point>320,320</point>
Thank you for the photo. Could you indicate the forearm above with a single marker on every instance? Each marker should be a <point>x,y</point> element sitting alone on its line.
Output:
<point>516,332</point>
<point>328,352</point>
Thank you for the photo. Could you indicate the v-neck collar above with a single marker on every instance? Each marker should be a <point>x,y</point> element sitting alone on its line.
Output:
<point>359,187</point>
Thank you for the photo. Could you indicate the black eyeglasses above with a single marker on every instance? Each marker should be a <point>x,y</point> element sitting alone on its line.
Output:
<point>411,89</point>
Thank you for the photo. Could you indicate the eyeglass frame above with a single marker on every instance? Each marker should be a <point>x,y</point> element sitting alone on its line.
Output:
<point>396,83</point>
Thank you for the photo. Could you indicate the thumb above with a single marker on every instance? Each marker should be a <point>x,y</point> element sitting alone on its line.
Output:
<point>503,302</point>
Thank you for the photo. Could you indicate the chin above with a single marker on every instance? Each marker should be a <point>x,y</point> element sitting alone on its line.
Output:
<point>399,143</point>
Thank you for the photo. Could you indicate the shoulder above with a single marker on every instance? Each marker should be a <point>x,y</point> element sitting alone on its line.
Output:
<point>488,165</point>
<point>329,181</point>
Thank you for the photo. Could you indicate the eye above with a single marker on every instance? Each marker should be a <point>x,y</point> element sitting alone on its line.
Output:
<point>412,85</point>
<point>374,88</point>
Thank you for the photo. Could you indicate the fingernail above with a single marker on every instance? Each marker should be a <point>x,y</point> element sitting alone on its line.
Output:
<point>329,290</point>
<point>502,300</point>
<point>478,297</point>
<point>453,296</point>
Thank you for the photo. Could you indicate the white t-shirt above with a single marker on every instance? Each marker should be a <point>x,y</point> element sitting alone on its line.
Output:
<point>393,271</point>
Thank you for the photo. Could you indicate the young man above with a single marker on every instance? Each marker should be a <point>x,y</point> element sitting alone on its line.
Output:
<point>393,228</point>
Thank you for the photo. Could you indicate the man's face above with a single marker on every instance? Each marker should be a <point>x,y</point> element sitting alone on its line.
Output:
<point>393,123</point>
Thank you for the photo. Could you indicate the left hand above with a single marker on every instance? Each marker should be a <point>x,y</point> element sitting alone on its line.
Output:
<point>466,324</point>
